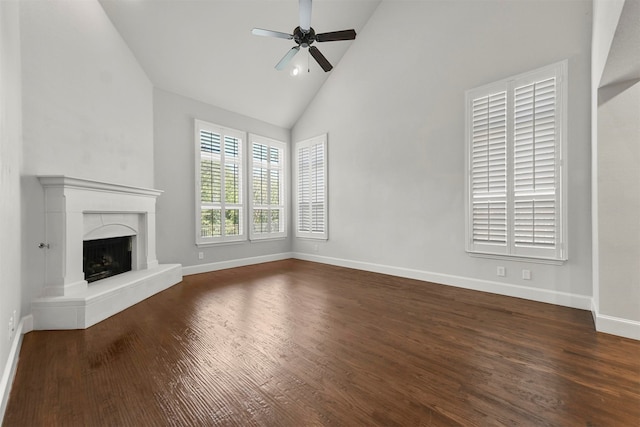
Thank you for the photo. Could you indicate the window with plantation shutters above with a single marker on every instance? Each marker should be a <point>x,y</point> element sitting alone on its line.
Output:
<point>515,134</point>
<point>311,188</point>
<point>267,188</point>
<point>220,208</point>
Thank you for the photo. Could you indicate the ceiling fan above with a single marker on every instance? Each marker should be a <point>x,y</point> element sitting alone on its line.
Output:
<point>304,36</point>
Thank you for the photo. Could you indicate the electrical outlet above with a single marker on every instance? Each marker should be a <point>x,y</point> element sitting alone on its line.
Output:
<point>15,320</point>
<point>200,255</point>
<point>501,271</point>
<point>315,247</point>
<point>9,330</point>
<point>526,274</point>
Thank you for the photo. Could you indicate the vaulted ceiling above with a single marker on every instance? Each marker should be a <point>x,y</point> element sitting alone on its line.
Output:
<point>623,63</point>
<point>203,49</point>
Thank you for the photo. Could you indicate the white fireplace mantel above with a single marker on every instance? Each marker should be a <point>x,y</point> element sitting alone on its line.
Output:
<point>70,204</point>
<point>80,209</point>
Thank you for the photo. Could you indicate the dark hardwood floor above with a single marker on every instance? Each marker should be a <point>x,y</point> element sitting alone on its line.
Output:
<point>294,343</point>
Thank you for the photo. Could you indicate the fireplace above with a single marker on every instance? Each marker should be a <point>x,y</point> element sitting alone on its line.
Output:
<point>104,258</point>
<point>103,234</point>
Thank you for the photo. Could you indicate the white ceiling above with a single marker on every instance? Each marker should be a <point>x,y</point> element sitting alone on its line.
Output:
<point>203,49</point>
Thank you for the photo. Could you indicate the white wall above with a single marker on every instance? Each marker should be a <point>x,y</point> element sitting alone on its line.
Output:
<point>87,111</point>
<point>619,201</point>
<point>394,112</point>
<point>616,167</point>
<point>175,174</point>
<point>606,14</point>
<point>10,165</point>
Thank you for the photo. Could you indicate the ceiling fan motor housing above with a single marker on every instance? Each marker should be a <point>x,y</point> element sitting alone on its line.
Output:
<point>302,38</point>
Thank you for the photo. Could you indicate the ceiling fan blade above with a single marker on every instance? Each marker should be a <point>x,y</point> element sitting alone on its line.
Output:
<point>285,59</point>
<point>269,33</point>
<point>305,15</point>
<point>319,57</point>
<point>334,36</point>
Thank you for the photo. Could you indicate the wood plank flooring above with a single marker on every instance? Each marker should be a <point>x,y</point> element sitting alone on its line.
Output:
<point>293,343</point>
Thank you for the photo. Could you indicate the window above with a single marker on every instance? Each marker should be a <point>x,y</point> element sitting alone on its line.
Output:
<point>219,184</point>
<point>515,166</point>
<point>268,188</point>
<point>311,188</point>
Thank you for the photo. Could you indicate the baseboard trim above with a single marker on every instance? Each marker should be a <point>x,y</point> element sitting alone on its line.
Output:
<point>614,325</point>
<point>541,295</point>
<point>617,326</point>
<point>9,372</point>
<point>242,262</point>
<point>594,312</point>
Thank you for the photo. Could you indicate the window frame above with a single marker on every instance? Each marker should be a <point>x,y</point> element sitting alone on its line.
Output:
<point>223,131</point>
<point>284,178</point>
<point>512,249</point>
<point>320,140</point>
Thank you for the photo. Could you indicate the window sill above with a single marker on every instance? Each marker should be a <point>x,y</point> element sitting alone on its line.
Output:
<point>313,238</point>
<point>223,243</point>
<point>239,242</point>
<point>267,239</point>
<point>548,261</point>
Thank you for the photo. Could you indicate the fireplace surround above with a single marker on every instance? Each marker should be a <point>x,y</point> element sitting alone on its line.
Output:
<point>79,210</point>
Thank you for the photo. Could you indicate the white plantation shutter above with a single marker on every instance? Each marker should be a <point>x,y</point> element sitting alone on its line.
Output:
<point>219,184</point>
<point>489,169</point>
<point>311,188</point>
<point>317,189</point>
<point>536,154</point>
<point>514,146</point>
<point>267,188</point>
<point>304,189</point>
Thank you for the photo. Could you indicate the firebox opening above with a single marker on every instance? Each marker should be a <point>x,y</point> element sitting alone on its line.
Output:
<point>104,258</point>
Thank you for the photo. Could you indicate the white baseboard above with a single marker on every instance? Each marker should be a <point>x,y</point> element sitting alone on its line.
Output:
<point>594,311</point>
<point>541,295</point>
<point>617,326</point>
<point>222,265</point>
<point>614,325</point>
<point>9,372</point>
